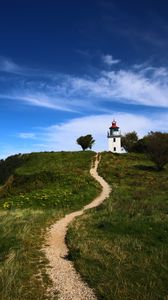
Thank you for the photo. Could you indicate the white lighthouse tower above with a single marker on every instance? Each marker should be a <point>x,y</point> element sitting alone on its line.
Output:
<point>114,138</point>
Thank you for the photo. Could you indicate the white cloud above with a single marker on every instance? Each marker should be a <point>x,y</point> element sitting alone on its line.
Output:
<point>109,60</point>
<point>138,85</point>
<point>125,86</point>
<point>7,65</point>
<point>42,100</point>
<point>27,135</point>
<point>63,137</point>
<point>45,101</point>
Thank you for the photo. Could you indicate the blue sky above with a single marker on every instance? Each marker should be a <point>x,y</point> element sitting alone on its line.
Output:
<point>68,68</point>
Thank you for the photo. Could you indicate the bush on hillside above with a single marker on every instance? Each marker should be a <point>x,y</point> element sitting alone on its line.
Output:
<point>156,147</point>
<point>129,141</point>
<point>8,166</point>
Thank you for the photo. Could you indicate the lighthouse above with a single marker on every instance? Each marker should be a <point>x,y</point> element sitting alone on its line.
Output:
<point>114,138</point>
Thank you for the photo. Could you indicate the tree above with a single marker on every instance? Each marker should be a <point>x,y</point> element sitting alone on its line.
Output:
<point>129,140</point>
<point>140,146</point>
<point>86,141</point>
<point>156,147</point>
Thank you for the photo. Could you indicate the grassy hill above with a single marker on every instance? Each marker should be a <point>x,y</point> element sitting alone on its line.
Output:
<point>47,180</point>
<point>36,190</point>
<point>121,248</point>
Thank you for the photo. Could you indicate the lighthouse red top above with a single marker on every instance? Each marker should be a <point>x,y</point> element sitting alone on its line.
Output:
<point>114,125</point>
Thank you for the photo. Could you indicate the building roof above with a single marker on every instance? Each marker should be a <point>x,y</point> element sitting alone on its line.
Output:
<point>114,125</point>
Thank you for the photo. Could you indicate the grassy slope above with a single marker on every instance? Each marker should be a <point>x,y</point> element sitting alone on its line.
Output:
<point>121,248</point>
<point>44,187</point>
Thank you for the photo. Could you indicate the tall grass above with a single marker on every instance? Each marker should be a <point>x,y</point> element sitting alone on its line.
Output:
<point>22,263</point>
<point>121,248</point>
<point>44,188</point>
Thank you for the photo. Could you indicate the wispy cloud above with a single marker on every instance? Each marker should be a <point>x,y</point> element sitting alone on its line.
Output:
<point>7,65</point>
<point>109,60</point>
<point>41,100</point>
<point>27,135</point>
<point>128,86</point>
<point>85,53</point>
<point>137,85</point>
<point>46,102</point>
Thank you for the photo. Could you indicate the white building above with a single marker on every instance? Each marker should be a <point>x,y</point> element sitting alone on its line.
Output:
<point>114,139</point>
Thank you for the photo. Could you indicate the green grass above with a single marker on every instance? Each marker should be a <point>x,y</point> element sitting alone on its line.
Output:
<point>49,180</point>
<point>121,248</point>
<point>40,191</point>
<point>22,263</point>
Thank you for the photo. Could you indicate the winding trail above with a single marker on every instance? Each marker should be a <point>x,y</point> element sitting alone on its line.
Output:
<point>66,281</point>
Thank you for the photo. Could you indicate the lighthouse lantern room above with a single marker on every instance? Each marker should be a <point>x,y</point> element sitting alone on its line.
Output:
<point>114,138</point>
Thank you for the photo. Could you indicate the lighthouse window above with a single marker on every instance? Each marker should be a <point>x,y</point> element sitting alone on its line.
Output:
<point>114,139</point>
<point>114,148</point>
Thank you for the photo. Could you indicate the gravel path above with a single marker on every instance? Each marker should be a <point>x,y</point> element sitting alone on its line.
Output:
<point>66,281</point>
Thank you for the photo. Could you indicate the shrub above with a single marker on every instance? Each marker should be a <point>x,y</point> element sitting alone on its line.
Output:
<point>157,148</point>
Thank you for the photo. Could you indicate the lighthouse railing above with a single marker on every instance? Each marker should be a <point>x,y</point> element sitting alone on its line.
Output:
<point>114,133</point>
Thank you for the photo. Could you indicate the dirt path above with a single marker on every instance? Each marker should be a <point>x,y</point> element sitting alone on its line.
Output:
<point>62,272</point>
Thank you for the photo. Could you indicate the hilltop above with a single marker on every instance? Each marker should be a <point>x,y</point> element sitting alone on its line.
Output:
<point>45,180</point>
